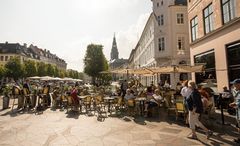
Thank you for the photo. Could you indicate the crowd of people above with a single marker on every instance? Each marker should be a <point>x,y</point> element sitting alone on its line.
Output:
<point>196,99</point>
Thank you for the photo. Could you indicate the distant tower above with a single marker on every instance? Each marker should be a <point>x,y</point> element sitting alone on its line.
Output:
<point>114,51</point>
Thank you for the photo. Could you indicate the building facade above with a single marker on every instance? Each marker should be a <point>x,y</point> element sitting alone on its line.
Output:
<point>115,62</point>
<point>164,40</point>
<point>10,50</point>
<point>214,27</point>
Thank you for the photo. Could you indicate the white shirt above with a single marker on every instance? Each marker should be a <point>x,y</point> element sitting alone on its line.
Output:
<point>129,96</point>
<point>156,98</point>
<point>185,92</point>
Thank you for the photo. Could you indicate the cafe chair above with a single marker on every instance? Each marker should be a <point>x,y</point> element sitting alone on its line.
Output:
<point>180,109</point>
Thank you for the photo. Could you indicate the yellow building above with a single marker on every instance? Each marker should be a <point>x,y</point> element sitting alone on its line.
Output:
<point>10,50</point>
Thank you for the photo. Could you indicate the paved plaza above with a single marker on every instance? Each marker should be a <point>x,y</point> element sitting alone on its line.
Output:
<point>56,128</point>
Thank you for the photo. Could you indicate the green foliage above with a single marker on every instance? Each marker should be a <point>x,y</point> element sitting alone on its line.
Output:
<point>2,71</point>
<point>50,70</point>
<point>56,71</point>
<point>41,69</point>
<point>14,68</point>
<point>61,73</point>
<point>74,74</point>
<point>30,68</point>
<point>94,61</point>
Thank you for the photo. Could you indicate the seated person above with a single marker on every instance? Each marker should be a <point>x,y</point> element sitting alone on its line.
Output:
<point>128,95</point>
<point>155,101</point>
<point>129,100</point>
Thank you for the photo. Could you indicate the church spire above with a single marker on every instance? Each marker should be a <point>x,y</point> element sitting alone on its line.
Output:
<point>114,51</point>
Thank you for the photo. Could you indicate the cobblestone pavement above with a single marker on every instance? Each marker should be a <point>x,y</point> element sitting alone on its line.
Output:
<point>56,128</point>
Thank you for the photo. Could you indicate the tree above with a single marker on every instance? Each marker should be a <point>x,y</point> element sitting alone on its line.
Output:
<point>62,73</point>
<point>50,70</point>
<point>30,68</point>
<point>105,78</point>
<point>2,71</point>
<point>56,71</point>
<point>94,61</point>
<point>41,69</point>
<point>14,68</point>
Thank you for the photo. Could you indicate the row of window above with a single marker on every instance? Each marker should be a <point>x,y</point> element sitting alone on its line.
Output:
<point>5,58</point>
<point>159,4</point>
<point>180,43</point>
<point>180,19</point>
<point>228,13</point>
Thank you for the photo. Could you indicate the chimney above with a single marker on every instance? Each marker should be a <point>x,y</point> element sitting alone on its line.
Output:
<point>25,45</point>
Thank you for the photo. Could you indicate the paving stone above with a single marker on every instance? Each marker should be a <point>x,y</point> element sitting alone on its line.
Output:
<point>54,128</point>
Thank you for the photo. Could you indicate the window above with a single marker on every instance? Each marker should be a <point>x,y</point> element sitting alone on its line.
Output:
<point>233,54</point>
<point>161,44</point>
<point>194,28</point>
<point>228,10</point>
<point>161,2</point>
<point>180,43</point>
<point>157,4</point>
<point>208,19</point>
<point>160,20</point>
<point>6,58</point>
<point>180,19</point>
<point>210,68</point>
<point>2,58</point>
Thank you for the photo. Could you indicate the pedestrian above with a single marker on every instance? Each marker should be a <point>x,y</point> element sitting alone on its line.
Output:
<point>124,87</point>
<point>185,92</point>
<point>236,104</point>
<point>195,108</point>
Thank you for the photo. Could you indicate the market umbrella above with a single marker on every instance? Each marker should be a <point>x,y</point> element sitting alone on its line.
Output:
<point>35,77</point>
<point>178,69</point>
<point>46,78</point>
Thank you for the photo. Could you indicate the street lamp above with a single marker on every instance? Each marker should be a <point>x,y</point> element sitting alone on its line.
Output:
<point>127,72</point>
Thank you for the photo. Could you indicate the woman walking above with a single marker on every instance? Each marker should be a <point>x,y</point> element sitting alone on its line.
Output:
<point>195,107</point>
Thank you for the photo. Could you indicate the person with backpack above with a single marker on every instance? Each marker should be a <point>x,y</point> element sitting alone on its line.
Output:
<point>195,107</point>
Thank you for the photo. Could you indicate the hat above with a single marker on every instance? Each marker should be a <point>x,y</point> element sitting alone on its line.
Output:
<point>236,81</point>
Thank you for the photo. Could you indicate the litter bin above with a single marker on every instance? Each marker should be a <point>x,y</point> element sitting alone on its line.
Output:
<point>5,102</point>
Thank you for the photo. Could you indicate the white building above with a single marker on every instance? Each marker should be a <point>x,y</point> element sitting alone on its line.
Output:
<point>164,40</point>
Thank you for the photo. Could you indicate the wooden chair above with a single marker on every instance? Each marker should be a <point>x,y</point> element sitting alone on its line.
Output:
<point>70,103</point>
<point>100,107</point>
<point>180,108</point>
<point>44,96</point>
<point>26,98</point>
<point>16,92</point>
<point>87,102</point>
<point>131,107</point>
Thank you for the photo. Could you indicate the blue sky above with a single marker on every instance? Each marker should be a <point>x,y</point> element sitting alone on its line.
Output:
<point>66,27</point>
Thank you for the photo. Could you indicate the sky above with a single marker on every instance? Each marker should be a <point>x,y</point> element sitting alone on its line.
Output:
<point>66,27</point>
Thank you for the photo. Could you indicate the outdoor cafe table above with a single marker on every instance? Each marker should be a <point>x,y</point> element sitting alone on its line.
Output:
<point>109,101</point>
<point>141,103</point>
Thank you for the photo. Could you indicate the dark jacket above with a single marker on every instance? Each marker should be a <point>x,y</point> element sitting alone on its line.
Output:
<point>195,101</point>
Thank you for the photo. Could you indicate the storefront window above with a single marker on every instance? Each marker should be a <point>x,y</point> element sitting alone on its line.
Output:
<point>233,55</point>
<point>208,58</point>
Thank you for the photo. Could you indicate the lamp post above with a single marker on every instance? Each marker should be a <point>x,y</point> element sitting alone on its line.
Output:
<point>127,73</point>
